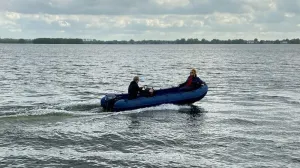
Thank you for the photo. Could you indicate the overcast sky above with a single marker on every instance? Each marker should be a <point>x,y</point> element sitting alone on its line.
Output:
<point>150,19</point>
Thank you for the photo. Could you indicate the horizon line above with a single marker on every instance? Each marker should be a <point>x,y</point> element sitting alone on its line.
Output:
<point>183,38</point>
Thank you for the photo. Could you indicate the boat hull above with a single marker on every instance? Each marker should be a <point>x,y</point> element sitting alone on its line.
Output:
<point>165,96</point>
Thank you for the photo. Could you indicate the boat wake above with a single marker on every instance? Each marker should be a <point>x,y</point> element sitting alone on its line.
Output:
<point>76,109</point>
<point>50,110</point>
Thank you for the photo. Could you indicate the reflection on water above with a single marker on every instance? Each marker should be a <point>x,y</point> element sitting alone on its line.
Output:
<point>134,121</point>
<point>195,117</point>
<point>194,111</point>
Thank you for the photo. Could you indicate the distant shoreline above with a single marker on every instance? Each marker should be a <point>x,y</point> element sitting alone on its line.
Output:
<point>178,41</point>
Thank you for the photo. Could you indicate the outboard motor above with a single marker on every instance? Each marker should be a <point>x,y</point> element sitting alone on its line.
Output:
<point>110,100</point>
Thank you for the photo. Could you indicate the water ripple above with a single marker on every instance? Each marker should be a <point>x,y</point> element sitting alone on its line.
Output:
<point>50,114</point>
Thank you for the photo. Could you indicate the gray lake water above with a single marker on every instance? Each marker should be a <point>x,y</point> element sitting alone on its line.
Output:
<point>50,115</point>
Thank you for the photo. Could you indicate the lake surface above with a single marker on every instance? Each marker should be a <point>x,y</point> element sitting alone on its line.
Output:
<point>50,115</point>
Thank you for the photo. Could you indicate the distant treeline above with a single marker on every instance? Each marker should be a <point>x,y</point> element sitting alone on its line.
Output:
<point>57,41</point>
<point>196,41</point>
<point>18,41</point>
<point>178,41</point>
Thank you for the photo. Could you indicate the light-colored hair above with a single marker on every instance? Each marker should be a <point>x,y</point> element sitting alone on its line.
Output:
<point>194,71</point>
<point>136,78</point>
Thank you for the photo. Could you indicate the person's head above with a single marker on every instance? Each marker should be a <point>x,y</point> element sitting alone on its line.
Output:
<point>193,72</point>
<point>136,79</point>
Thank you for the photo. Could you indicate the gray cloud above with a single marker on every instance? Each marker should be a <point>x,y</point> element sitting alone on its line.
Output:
<point>270,17</point>
<point>133,7</point>
<point>292,6</point>
<point>150,19</point>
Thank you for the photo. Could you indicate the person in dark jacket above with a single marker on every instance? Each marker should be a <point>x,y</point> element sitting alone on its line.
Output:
<point>192,82</point>
<point>134,88</point>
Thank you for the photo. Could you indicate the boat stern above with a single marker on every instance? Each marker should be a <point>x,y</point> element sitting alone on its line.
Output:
<point>108,101</point>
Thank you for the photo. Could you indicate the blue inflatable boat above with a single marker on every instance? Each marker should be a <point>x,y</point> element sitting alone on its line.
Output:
<point>120,102</point>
